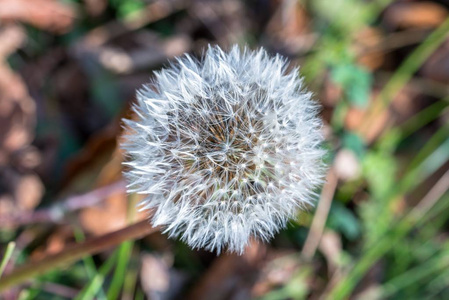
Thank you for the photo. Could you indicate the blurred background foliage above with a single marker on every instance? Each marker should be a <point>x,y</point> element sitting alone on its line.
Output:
<point>380,69</point>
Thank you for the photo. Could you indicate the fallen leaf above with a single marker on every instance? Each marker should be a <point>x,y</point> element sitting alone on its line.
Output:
<point>46,14</point>
<point>17,109</point>
<point>159,279</point>
<point>22,190</point>
<point>277,270</point>
<point>415,15</point>
<point>29,191</point>
<point>106,217</point>
<point>101,163</point>
<point>289,27</point>
<point>231,276</point>
<point>365,40</point>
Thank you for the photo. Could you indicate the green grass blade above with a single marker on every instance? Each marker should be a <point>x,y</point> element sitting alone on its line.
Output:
<point>423,117</point>
<point>7,256</point>
<point>129,285</point>
<point>96,283</point>
<point>431,267</point>
<point>413,124</point>
<point>124,255</point>
<point>398,230</point>
<point>428,160</point>
<point>89,263</point>
<point>413,62</point>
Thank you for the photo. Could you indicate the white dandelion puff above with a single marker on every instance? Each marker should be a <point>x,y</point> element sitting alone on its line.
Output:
<point>224,149</point>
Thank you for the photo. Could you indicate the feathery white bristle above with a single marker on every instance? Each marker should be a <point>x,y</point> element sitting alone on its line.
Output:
<point>225,148</point>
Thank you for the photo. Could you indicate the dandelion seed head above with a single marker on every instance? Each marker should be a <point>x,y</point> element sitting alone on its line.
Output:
<point>220,146</point>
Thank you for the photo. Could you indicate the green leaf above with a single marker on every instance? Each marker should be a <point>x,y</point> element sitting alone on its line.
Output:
<point>96,283</point>
<point>343,220</point>
<point>355,143</point>
<point>7,256</point>
<point>380,169</point>
<point>355,81</point>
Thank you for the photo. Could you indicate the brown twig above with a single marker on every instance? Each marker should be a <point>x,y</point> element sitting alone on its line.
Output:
<point>394,41</point>
<point>319,220</point>
<point>73,253</point>
<point>153,12</point>
<point>59,290</point>
<point>432,197</point>
<point>57,212</point>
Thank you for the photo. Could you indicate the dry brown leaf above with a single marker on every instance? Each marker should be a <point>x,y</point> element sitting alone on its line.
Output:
<point>82,171</point>
<point>159,279</point>
<point>415,14</point>
<point>106,217</point>
<point>230,276</point>
<point>17,109</point>
<point>289,21</point>
<point>29,191</point>
<point>12,37</point>
<point>365,40</point>
<point>277,270</point>
<point>17,119</point>
<point>49,15</point>
<point>289,27</point>
<point>356,116</point>
<point>23,192</point>
<point>99,166</point>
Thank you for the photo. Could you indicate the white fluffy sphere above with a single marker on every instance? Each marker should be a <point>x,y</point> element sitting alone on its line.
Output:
<point>225,148</point>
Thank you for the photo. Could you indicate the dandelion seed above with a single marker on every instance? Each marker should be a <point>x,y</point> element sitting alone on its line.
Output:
<point>219,148</point>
